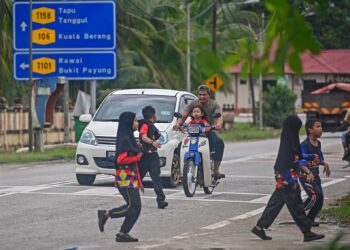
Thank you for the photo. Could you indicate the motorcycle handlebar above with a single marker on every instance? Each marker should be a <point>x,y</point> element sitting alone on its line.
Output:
<point>183,127</point>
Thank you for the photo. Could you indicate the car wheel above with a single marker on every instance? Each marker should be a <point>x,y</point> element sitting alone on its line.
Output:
<point>174,180</point>
<point>85,179</point>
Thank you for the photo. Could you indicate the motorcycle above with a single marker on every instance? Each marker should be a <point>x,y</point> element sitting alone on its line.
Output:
<point>196,159</point>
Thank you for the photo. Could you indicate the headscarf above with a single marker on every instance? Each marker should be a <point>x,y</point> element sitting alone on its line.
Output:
<point>289,145</point>
<point>125,135</point>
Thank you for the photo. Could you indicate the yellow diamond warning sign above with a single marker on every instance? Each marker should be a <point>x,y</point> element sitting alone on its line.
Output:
<point>44,65</point>
<point>44,36</point>
<point>44,15</point>
<point>214,83</point>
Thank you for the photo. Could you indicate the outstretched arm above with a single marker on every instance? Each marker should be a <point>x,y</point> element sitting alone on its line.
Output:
<point>125,158</point>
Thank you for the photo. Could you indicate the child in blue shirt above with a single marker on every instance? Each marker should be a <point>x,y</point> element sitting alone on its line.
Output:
<point>309,175</point>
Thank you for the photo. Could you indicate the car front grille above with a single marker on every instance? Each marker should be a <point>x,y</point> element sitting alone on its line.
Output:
<point>109,140</point>
<point>103,162</point>
<point>106,140</point>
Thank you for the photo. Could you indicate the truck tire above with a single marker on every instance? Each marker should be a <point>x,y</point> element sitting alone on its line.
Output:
<point>85,179</point>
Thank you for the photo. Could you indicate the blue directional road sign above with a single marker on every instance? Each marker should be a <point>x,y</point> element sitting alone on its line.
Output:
<point>66,25</point>
<point>73,65</point>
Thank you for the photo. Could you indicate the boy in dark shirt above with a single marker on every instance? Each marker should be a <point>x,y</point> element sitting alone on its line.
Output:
<point>309,175</point>
<point>150,163</point>
<point>287,188</point>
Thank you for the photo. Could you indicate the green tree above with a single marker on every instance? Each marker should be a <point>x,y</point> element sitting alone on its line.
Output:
<point>8,86</point>
<point>332,29</point>
<point>278,103</point>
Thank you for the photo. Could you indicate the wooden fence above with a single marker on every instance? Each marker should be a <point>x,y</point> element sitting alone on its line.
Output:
<point>14,129</point>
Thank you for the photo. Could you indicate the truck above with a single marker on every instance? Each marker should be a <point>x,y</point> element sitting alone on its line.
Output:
<point>327,102</point>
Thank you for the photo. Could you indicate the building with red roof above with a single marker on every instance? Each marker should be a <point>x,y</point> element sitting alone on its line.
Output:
<point>329,66</point>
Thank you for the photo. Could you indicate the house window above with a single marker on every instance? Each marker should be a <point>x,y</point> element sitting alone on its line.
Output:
<point>267,83</point>
<point>243,82</point>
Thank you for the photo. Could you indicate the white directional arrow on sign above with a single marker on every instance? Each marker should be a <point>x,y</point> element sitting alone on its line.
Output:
<point>23,26</point>
<point>24,66</point>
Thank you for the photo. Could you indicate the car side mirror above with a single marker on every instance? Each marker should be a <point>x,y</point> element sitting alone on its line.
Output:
<point>216,115</point>
<point>85,118</point>
<point>177,115</point>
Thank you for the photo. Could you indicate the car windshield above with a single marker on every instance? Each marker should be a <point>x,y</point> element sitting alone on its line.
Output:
<point>114,105</point>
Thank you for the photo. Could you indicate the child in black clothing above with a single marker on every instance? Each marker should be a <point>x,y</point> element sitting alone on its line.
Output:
<point>287,188</point>
<point>127,179</point>
<point>149,135</point>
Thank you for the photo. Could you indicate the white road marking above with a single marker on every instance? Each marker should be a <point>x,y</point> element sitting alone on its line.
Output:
<point>23,189</point>
<point>247,158</point>
<point>262,200</point>
<point>250,176</point>
<point>217,225</point>
<point>248,214</point>
<point>22,168</point>
<point>114,194</point>
<point>98,191</point>
<point>335,181</point>
<point>259,210</point>
<point>152,246</point>
<point>6,194</point>
<point>182,236</point>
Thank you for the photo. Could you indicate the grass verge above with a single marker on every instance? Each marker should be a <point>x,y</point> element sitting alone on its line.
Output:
<point>48,155</point>
<point>341,212</point>
<point>246,131</point>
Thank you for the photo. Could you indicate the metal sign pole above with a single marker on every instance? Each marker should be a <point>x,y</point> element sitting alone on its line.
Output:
<point>31,96</point>
<point>63,80</point>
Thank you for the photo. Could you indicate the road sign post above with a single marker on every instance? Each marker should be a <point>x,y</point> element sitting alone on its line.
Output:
<point>66,25</point>
<point>73,65</point>
<point>74,39</point>
<point>214,83</point>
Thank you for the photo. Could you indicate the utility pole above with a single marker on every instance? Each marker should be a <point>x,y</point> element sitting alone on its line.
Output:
<point>188,56</point>
<point>93,96</point>
<point>261,39</point>
<point>31,89</point>
<point>63,80</point>
<point>213,34</point>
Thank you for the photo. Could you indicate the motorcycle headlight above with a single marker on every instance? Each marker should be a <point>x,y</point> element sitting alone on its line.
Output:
<point>163,137</point>
<point>193,129</point>
<point>88,137</point>
<point>194,140</point>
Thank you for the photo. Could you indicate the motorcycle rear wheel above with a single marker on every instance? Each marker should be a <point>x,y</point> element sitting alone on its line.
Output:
<point>188,181</point>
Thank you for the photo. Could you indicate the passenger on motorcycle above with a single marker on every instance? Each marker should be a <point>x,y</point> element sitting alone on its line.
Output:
<point>209,108</point>
<point>197,115</point>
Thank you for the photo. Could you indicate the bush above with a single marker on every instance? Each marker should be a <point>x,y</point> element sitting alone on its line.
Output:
<point>279,102</point>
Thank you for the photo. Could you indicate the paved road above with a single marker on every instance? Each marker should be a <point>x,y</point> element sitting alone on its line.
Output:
<point>42,206</point>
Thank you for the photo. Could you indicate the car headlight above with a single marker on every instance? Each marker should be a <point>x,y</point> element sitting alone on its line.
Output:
<point>163,137</point>
<point>88,137</point>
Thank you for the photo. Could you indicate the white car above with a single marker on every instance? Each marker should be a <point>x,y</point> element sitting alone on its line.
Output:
<point>98,140</point>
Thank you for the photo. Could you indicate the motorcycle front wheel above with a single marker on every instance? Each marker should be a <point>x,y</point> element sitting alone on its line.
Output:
<point>208,190</point>
<point>189,182</point>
